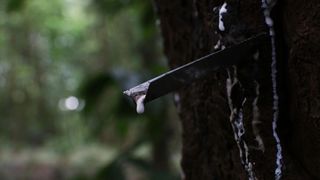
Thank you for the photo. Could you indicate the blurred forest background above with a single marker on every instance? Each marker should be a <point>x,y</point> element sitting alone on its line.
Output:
<point>63,67</point>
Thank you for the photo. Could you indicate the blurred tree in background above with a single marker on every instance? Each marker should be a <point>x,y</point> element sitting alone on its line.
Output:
<point>63,66</point>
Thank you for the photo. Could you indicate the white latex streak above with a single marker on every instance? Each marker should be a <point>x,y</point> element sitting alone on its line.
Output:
<point>222,11</point>
<point>218,45</point>
<point>266,6</point>
<point>236,120</point>
<point>229,85</point>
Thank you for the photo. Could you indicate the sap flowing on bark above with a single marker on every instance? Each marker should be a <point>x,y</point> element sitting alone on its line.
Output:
<point>236,113</point>
<point>236,120</point>
<point>222,10</point>
<point>218,45</point>
<point>267,6</point>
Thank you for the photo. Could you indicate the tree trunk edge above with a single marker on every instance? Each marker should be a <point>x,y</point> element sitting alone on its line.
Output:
<point>188,28</point>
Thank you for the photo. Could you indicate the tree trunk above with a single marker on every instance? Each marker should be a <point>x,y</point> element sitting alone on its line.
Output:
<point>190,29</point>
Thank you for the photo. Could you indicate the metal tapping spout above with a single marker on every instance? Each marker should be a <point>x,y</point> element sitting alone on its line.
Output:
<point>197,69</point>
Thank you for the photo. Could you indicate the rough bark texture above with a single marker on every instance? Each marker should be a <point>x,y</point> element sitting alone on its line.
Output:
<point>190,30</point>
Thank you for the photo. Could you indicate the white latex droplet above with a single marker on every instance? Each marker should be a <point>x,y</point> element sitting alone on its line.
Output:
<point>269,21</point>
<point>222,10</point>
<point>140,104</point>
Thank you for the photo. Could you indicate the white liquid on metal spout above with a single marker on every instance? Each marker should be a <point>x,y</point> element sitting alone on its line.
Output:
<point>138,94</point>
<point>140,104</point>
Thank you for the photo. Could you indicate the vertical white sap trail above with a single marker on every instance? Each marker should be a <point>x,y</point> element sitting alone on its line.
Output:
<point>241,132</point>
<point>248,166</point>
<point>229,84</point>
<point>237,123</point>
<point>266,6</point>
<point>236,113</point>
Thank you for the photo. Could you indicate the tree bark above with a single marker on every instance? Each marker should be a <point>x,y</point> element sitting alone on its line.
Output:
<point>190,30</point>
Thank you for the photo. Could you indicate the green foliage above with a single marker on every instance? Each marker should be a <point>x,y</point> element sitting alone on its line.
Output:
<point>115,170</point>
<point>109,7</point>
<point>14,5</point>
<point>53,50</point>
<point>93,89</point>
<point>112,171</point>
